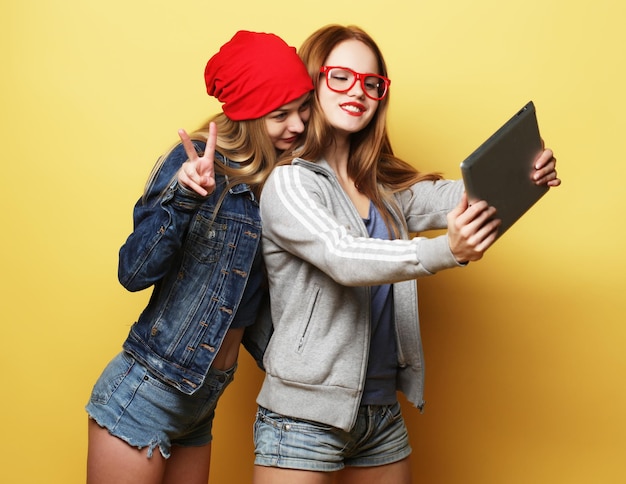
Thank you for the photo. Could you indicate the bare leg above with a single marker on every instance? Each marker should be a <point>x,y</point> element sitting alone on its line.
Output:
<point>112,461</point>
<point>276,475</point>
<point>190,465</point>
<point>396,473</point>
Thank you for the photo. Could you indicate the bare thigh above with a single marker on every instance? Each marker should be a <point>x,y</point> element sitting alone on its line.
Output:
<point>110,460</point>
<point>190,465</point>
<point>276,475</point>
<point>396,473</point>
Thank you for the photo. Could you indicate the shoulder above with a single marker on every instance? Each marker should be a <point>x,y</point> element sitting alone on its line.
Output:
<point>303,168</point>
<point>292,185</point>
<point>297,176</point>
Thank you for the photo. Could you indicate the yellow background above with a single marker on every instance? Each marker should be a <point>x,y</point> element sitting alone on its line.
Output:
<point>525,350</point>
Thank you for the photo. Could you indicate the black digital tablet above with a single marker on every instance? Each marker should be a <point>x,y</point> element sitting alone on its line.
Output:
<point>500,170</point>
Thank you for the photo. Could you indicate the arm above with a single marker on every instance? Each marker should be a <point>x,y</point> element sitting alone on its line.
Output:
<point>426,204</point>
<point>161,217</point>
<point>443,204</point>
<point>297,219</point>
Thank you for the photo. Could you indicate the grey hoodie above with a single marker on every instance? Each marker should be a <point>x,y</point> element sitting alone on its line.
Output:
<point>320,263</point>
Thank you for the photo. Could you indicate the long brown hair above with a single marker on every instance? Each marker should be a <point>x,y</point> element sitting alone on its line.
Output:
<point>377,172</point>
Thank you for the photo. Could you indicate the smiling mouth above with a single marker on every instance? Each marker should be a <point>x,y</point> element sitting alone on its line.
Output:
<point>353,108</point>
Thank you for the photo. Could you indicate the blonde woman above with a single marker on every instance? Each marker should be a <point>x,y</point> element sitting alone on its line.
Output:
<point>196,241</point>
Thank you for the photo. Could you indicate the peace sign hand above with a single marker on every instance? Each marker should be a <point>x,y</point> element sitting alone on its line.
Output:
<point>197,173</point>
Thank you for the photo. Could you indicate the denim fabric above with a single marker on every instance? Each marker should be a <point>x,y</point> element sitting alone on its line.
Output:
<point>379,437</point>
<point>199,262</point>
<point>138,408</point>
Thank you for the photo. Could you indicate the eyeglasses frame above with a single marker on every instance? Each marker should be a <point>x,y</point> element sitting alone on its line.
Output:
<point>358,76</point>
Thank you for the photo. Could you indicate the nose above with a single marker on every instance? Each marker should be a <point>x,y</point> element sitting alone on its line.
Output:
<point>357,88</point>
<point>296,124</point>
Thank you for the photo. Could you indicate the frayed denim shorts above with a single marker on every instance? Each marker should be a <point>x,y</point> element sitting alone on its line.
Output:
<point>379,437</point>
<point>142,410</point>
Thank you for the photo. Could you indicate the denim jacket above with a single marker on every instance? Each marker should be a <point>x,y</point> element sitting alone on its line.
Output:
<point>199,264</point>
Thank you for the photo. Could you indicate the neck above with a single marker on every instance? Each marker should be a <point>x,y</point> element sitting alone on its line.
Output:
<point>337,155</point>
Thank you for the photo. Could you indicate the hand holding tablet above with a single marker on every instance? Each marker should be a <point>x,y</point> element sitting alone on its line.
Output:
<point>500,170</point>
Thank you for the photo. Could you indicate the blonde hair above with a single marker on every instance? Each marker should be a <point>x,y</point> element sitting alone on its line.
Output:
<point>377,172</point>
<point>246,143</point>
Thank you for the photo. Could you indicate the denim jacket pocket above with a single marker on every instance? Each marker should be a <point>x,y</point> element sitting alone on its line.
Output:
<point>206,239</point>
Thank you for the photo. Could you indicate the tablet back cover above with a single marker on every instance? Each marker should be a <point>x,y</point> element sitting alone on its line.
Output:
<point>500,170</point>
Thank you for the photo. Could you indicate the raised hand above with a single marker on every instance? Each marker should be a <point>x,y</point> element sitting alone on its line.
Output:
<point>471,229</point>
<point>197,173</point>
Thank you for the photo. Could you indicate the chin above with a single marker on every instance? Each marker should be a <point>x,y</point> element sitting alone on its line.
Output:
<point>283,146</point>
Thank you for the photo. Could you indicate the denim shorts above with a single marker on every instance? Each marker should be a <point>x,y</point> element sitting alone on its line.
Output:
<point>379,437</point>
<point>142,410</point>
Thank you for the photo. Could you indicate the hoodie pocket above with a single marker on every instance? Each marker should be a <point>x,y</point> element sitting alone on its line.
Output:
<point>307,326</point>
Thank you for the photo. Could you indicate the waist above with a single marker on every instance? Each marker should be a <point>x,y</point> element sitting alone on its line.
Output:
<point>229,351</point>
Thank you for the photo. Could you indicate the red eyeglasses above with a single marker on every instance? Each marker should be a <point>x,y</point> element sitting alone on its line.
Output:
<point>342,79</point>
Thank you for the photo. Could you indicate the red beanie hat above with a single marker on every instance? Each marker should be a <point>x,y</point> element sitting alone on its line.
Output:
<point>255,73</point>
